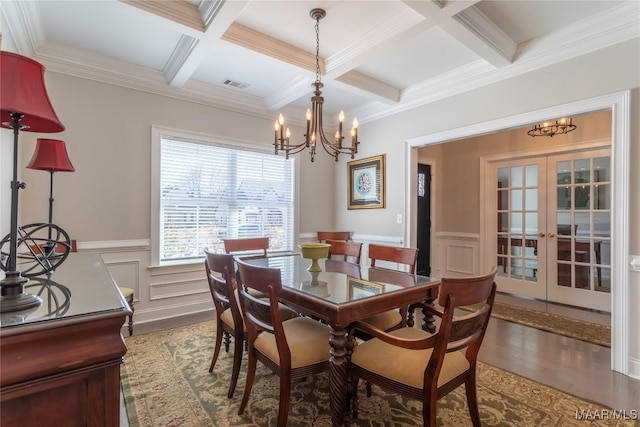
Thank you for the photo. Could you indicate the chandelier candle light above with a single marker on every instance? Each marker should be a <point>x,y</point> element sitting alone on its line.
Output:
<point>315,133</point>
<point>561,126</point>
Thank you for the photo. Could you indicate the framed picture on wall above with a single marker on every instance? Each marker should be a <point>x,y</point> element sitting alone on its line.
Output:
<point>366,183</point>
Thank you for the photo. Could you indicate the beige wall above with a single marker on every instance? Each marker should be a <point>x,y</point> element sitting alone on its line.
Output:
<point>108,137</point>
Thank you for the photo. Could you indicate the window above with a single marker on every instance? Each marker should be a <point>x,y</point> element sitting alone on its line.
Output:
<point>208,191</point>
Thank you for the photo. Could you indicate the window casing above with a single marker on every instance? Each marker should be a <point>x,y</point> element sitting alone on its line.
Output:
<point>205,191</point>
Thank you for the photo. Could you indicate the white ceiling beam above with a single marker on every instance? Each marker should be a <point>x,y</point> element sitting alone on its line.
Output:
<point>190,52</point>
<point>481,35</point>
<point>272,47</point>
<point>463,21</point>
<point>370,87</point>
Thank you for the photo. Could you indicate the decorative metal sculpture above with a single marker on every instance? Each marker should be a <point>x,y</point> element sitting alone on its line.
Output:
<point>41,248</point>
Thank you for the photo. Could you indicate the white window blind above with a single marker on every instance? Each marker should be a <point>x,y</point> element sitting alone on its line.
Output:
<point>212,192</point>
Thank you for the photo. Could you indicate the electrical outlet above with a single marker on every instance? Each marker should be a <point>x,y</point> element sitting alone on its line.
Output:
<point>399,218</point>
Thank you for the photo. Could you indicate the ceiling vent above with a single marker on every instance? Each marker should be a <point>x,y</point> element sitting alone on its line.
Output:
<point>236,84</point>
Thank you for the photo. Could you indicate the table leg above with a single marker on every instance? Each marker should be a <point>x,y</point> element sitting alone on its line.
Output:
<point>338,375</point>
<point>428,322</point>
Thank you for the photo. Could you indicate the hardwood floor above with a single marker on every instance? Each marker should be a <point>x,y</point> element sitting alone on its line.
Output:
<point>570,365</point>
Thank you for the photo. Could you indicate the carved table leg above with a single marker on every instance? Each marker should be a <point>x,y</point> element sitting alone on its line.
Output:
<point>338,375</point>
<point>428,322</point>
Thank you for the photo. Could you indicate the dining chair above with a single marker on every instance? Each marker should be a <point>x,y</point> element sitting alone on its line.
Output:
<point>391,319</point>
<point>432,365</point>
<point>393,254</point>
<point>292,349</point>
<point>323,236</point>
<point>344,267</point>
<point>220,271</point>
<point>252,247</point>
<point>347,251</point>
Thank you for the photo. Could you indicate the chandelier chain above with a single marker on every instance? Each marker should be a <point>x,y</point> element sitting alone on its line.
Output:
<point>317,49</point>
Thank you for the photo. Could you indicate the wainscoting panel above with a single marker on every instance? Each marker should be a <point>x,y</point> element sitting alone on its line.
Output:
<point>458,255</point>
<point>177,288</point>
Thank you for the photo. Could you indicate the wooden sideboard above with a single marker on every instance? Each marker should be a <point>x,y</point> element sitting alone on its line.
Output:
<point>60,363</point>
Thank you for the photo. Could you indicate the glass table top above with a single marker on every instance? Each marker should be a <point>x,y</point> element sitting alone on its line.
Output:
<point>81,285</point>
<point>339,282</point>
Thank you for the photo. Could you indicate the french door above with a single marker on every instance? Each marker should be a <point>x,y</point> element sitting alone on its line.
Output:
<point>553,228</point>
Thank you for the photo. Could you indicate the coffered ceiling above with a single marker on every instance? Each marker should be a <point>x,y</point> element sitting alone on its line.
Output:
<point>258,56</point>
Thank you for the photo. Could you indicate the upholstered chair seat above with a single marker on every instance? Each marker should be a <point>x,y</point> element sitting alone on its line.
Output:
<point>374,356</point>
<point>308,340</point>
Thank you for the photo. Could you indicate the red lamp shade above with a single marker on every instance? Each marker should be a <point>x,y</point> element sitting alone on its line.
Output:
<point>51,155</point>
<point>23,91</point>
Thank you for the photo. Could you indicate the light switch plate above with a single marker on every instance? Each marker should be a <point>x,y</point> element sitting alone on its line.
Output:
<point>399,218</point>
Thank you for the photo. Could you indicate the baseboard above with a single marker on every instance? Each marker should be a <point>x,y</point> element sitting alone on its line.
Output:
<point>634,368</point>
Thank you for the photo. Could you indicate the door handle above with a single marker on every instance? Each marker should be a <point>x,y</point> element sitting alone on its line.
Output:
<point>541,234</point>
<point>551,235</point>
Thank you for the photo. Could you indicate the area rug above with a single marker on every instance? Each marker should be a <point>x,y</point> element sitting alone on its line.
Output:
<point>586,331</point>
<point>166,382</point>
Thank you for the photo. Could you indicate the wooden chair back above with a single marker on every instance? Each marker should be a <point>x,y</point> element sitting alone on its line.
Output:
<point>383,275</point>
<point>407,256</point>
<point>345,250</point>
<point>253,246</point>
<point>259,288</point>
<point>220,275</point>
<point>323,236</point>
<point>344,267</point>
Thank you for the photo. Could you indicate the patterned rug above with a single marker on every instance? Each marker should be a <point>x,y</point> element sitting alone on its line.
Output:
<point>166,382</point>
<point>585,331</point>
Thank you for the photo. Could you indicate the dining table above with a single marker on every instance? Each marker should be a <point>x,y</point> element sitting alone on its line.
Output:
<point>339,297</point>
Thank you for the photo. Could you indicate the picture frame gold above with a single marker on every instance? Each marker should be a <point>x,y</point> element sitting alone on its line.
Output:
<point>362,289</point>
<point>366,183</point>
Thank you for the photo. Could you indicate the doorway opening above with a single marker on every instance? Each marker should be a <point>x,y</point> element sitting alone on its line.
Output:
<point>619,105</point>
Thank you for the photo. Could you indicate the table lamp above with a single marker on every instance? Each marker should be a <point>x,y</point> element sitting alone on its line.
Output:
<point>24,105</point>
<point>51,155</point>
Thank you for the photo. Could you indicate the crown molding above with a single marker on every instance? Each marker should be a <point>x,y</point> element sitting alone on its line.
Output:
<point>617,25</point>
<point>25,25</point>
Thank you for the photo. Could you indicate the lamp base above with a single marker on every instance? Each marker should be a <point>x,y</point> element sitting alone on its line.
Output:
<point>13,297</point>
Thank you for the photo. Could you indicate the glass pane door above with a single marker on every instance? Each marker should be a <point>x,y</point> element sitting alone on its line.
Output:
<point>579,240</point>
<point>519,256</point>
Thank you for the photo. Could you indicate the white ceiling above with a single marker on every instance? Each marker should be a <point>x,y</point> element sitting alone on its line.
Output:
<point>378,57</point>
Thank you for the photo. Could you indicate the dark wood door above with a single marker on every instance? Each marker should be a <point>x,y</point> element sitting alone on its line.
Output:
<point>424,220</point>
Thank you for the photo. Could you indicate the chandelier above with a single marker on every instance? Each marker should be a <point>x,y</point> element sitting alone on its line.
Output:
<point>560,126</point>
<point>315,134</point>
